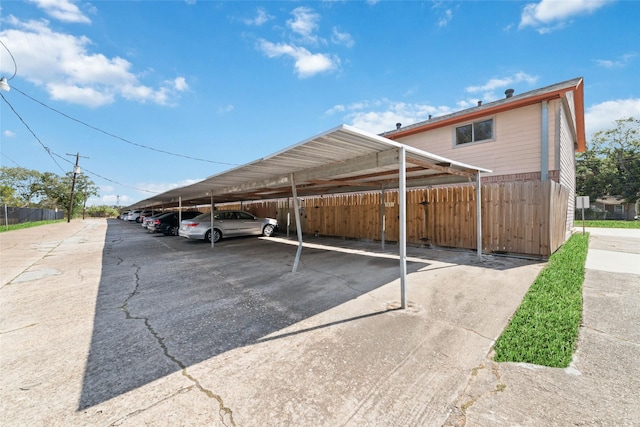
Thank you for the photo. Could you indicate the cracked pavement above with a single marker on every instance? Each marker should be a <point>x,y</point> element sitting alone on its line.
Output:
<point>141,329</point>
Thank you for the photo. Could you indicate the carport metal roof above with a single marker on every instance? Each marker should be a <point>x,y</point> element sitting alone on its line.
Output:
<point>343,159</point>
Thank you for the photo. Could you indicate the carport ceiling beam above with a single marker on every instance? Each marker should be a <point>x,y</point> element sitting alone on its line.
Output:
<point>369,161</point>
<point>357,164</point>
<point>443,169</point>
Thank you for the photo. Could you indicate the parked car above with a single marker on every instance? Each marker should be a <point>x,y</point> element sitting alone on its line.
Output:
<point>167,223</point>
<point>134,215</point>
<point>148,219</point>
<point>227,224</point>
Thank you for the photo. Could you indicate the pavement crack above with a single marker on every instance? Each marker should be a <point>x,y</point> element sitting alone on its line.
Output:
<point>121,420</point>
<point>616,337</point>
<point>225,413</point>
<point>484,380</point>
<point>18,329</point>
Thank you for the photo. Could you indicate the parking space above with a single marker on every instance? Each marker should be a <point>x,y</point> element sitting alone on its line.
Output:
<point>139,328</point>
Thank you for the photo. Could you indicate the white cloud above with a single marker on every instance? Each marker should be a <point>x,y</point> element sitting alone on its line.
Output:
<point>226,109</point>
<point>382,115</point>
<point>261,18</point>
<point>340,38</point>
<point>445,18</point>
<point>620,62</point>
<point>488,90</point>
<point>498,83</point>
<point>306,63</point>
<point>161,187</point>
<point>304,23</point>
<point>62,10</point>
<point>64,66</point>
<point>8,133</point>
<point>179,84</point>
<point>603,116</point>
<point>549,15</point>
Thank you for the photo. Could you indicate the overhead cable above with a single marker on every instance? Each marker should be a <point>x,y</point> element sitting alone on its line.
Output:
<point>119,137</point>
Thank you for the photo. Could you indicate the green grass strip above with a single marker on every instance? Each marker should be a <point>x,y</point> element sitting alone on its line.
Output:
<point>27,225</point>
<point>544,329</point>
<point>606,224</point>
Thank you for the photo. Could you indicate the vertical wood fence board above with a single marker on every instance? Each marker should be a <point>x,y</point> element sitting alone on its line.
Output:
<point>517,217</point>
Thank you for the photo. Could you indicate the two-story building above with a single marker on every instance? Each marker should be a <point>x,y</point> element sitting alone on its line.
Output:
<point>531,136</point>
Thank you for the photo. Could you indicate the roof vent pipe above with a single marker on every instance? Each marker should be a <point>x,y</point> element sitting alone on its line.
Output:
<point>509,92</point>
<point>479,103</point>
<point>398,126</point>
<point>429,116</point>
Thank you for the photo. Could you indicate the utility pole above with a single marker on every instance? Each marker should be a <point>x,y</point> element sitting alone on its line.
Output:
<point>76,171</point>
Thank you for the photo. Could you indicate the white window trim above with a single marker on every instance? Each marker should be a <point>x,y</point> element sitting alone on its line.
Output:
<point>468,144</point>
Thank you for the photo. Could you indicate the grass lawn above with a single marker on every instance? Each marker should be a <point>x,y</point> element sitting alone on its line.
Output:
<point>544,329</point>
<point>27,225</point>
<point>607,224</point>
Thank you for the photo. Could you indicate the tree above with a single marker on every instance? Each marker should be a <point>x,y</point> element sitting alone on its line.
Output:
<point>84,189</point>
<point>611,165</point>
<point>21,185</point>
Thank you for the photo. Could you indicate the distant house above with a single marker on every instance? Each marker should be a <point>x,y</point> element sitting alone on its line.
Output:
<point>531,136</point>
<point>612,208</point>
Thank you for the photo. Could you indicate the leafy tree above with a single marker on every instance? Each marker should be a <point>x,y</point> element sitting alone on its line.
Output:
<point>29,188</point>
<point>23,185</point>
<point>84,189</point>
<point>103,211</point>
<point>611,165</point>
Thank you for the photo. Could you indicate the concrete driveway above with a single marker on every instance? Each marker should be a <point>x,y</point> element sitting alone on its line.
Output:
<point>104,324</point>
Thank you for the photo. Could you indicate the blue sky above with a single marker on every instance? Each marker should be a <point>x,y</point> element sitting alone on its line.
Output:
<point>159,94</point>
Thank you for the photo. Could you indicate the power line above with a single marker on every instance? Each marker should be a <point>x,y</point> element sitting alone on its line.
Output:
<point>15,64</point>
<point>53,154</point>
<point>11,160</point>
<point>119,137</point>
<point>47,149</point>
<point>89,172</point>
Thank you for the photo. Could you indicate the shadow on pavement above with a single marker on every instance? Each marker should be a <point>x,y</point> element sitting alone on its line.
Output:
<point>165,303</point>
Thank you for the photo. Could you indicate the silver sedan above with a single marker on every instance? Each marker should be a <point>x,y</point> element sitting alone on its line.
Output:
<point>227,224</point>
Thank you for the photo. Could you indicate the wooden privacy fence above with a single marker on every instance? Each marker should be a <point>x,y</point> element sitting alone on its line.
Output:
<point>517,217</point>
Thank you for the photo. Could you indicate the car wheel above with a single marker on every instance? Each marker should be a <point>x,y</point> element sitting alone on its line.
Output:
<point>174,230</point>
<point>268,230</point>
<point>217,235</point>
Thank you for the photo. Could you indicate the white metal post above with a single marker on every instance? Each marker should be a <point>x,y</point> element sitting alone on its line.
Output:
<point>402,199</point>
<point>383,218</point>
<point>479,215</point>
<point>212,206</point>
<point>296,211</point>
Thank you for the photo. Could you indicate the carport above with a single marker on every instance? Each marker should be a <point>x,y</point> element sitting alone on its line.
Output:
<point>341,160</point>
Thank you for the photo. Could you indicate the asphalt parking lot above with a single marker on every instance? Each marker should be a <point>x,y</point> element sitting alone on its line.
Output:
<point>104,324</point>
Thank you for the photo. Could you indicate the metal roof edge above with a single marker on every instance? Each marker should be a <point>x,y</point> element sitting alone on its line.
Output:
<point>500,105</point>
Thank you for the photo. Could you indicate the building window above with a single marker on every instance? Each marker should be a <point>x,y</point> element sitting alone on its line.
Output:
<point>617,209</point>
<point>474,132</point>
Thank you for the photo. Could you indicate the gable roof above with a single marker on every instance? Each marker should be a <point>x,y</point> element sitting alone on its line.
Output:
<point>343,159</point>
<point>547,93</point>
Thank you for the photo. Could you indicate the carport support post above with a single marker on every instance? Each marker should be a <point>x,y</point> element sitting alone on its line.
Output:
<point>383,217</point>
<point>296,211</point>
<point>179,210</point>
<point>479,215</point>
<point>212,207</point>
<point>402,199</point>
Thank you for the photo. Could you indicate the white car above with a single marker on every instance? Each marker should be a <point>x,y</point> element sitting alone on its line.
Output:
<point>227,224</point>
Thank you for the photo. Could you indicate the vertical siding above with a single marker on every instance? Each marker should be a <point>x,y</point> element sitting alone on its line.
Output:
<point>568,165</point>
